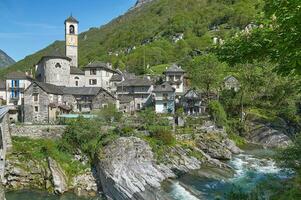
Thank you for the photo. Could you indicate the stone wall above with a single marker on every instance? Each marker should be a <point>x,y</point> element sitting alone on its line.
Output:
<point>37,131</point>
<point>102,99</point>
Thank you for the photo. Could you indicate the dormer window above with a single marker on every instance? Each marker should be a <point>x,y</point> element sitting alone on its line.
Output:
<point>71,29</point>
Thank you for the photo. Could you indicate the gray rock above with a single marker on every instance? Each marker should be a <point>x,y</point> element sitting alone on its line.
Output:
<point>59,178</point>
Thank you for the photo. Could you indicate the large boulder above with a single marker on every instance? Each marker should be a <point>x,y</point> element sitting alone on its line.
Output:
<point>127,170</point>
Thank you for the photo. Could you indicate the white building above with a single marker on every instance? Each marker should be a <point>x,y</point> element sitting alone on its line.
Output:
<point>164,98</point>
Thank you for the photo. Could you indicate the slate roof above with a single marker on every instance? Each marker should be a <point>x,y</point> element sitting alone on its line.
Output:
<point>165,87</point>
<point>192,94</point>
<point>116,77</point>
<point>86,91</point>
<point>53,55</point>
<point>49,88</point>
<point>17,76</point>
<point>76,71</point>
<point>71,19</point>
<point>139,81</point>
<point>174,68</point>
<point>103,65</point>
<point>2,84</point>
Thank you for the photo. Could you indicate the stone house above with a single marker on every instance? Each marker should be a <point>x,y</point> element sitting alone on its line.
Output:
<point>3,92</point>
<point>44,102</point>
<point>164,98</point>
<point>231,83</point>
<point>98,74</point>
<point>137,88</point>
<point>192,102</point>
<point>175,76</point>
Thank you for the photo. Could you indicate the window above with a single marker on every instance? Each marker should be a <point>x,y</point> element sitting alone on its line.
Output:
<point>107,74</point>
<point>71,29</point>
<point>165,96</point>
<point>35,97</point>
<point>93,82</point>
<point>92,71</point>
<point>76,83</point>
<point>178,78</point>
<point>178,86</point>
<point>36,109</point>
<point>58,65</point>
<point>165,105</point>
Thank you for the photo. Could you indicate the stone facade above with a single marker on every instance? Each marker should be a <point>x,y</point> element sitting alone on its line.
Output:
<point>37,131</point>
<point>54,70</point>
<point>103,99</point>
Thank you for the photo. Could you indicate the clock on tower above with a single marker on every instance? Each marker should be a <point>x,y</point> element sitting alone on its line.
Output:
<point>71,37</point>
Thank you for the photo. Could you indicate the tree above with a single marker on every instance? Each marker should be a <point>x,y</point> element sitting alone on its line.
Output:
<point>277,38</point>
<point>207,73</point>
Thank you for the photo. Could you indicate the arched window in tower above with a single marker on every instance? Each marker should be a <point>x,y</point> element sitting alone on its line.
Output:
<point>58,65</point>
<point>76,81</point>
<point>71,29</point>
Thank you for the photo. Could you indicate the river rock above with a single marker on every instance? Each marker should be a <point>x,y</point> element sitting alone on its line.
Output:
<point>85,184</point>
<point>268,135</point>
<point>127,170</point>
<point>59,178</point>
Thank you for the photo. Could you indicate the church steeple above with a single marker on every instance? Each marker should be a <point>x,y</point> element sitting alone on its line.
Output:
<point>71,36</point>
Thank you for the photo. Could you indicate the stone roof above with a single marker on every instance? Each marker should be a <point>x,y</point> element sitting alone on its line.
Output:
<point>192,94</point>
<point>174,68</point>
<point>86,91</point>
<point>2,84</point>
<point>99,64</point>
<point>49,88</point>
<point>71,19</point>
<point>54,55</point>
<point>18,76</point>
<point>139,81</point>
<point>165,87</point>
<point>116,78</point>
<point>230,77</point>
<point>76,71</point>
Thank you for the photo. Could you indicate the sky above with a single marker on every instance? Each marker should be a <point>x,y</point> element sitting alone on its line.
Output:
<point>27,26</point>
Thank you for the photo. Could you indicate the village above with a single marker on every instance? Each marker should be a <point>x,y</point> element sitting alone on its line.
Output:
<point>60,89</point>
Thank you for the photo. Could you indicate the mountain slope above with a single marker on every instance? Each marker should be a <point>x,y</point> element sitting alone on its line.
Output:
<point>5,60</point>
<point>144,35</point>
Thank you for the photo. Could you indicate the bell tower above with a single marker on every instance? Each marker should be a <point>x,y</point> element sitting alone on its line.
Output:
<point>71,37</point>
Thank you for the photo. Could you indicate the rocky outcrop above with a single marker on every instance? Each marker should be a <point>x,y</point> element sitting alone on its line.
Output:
<point>269,134</point>
<point>59,179</point>
<point>140,3</point>
<point>5,60</point>
<point>47,175</point>
<point>128,170</point>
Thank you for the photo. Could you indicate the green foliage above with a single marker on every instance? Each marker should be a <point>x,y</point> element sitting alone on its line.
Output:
<point>109,114</point>
<point>156,22</point>
<point>217,113</point>
<point>207,72</point>
<point>40,149</point>
<point>163,135</point>
<point>272,40</point>
<point>83,134</point>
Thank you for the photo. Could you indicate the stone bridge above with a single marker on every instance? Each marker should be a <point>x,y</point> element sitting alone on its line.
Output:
<point>5,139</point>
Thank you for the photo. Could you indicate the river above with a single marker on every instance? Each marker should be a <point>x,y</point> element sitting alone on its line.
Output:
<point>250,169</point>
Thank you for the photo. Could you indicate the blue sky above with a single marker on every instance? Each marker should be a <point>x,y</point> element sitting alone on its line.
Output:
<point>27,26</point>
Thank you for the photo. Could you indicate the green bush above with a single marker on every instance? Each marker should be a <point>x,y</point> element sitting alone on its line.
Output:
<point>163,134</point>
<point>109,114</point>
<point>217,113</point>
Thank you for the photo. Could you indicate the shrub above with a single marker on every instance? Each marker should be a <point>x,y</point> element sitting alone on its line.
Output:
<point>109,114</point>
<point>163,135</point>
<point>217,113</point>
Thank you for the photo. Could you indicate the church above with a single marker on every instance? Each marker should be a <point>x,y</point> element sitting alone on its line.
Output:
<point>61,86</point>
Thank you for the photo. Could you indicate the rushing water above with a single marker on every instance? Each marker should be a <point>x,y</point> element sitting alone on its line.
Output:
<point>250,169</point>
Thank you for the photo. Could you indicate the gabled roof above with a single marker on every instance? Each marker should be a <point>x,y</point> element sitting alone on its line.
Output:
<point>125,99</point>
<point>76,71</point>
<point>71,19</point>
<point>2,84</point>
<point>174,68</point>
<point>230,77</point>
<point>165,87</point>
<point>116,78</point>
<point>99,64</point>
<point>139,81</point>
<point>18,76</point>
<point>86,91</point>
<point>49,88</point>
<point>192,94</point>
